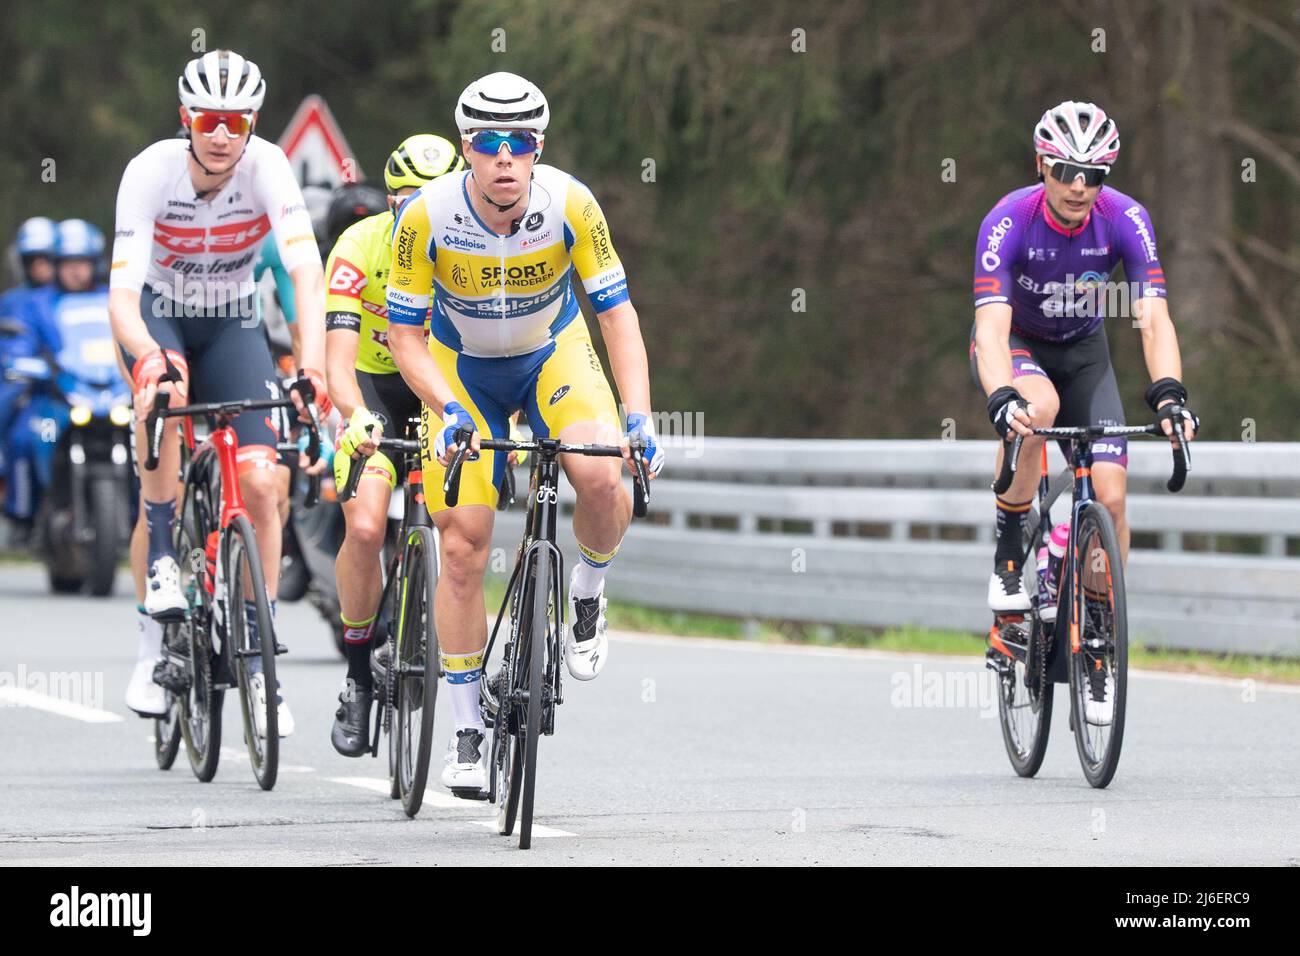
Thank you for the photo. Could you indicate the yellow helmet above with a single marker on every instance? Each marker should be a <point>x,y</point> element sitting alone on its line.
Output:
<point>420,158</point>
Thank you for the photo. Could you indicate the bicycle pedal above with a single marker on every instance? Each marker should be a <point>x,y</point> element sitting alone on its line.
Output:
<point>469,793</point>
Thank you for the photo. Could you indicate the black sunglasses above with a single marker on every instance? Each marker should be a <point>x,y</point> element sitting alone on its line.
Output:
<point>1067,172</point>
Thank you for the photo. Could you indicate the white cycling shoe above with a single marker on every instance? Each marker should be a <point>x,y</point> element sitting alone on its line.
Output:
<point>1006,590</point>
<point>1099,700</point>
<point>284,719</point>
<point>586,657</point>
<point>465,772</point>
<point>142,695</point>
<point>163,600</point>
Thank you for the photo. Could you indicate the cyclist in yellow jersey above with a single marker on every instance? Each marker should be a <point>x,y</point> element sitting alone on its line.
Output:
<point>374,402</point>
<point>493,251</point>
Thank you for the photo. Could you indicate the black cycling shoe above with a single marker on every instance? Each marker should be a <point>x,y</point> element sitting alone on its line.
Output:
<point>350,734</point>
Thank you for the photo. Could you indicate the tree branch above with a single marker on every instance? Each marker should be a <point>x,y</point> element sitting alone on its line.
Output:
<point>1262,24</point>
<point>1272,315</point>
<point>1272,254</point>
<point>1247,134</point>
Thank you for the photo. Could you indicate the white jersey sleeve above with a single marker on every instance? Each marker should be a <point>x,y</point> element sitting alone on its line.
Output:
<point>277,192</point>
<point>137,210</point>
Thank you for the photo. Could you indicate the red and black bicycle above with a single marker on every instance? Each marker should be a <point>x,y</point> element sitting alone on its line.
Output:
<point>227,629</point>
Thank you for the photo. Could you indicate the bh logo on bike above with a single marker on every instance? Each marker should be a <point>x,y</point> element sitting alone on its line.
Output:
<point>74,909</point>
<point>922,687</point>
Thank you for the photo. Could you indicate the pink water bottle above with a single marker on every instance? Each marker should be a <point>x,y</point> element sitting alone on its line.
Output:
<point>1056,546</point>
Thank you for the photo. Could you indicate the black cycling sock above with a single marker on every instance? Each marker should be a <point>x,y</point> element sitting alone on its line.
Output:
<point>1010,531</point>
<point>359,665</point>
<point>159,516</point>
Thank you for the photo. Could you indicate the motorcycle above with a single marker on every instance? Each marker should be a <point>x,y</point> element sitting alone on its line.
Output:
<point>78,423</point>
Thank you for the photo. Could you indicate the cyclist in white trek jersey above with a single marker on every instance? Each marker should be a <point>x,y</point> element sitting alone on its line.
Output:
<point>191,217</point>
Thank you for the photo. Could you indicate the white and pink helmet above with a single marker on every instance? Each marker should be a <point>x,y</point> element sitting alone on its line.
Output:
<point>1078,133</point>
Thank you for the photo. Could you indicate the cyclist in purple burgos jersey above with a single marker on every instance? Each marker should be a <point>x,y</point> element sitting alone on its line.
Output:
<point>1043,262</point>
<point>1050,274</point>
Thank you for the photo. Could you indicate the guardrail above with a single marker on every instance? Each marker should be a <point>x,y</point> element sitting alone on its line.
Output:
<point>890,533</point>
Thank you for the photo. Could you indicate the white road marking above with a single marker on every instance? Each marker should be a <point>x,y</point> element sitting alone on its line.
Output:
<point>22,697</point>
<point>538,829</point>
<point>431,797</point>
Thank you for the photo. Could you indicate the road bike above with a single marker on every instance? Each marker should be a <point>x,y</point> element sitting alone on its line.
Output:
<point>1082,637</point>
<point>519,701</point>
<point>209,649</point>
<point>403,631</point>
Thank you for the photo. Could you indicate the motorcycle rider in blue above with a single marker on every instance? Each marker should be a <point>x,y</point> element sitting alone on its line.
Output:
<point>25,306</point>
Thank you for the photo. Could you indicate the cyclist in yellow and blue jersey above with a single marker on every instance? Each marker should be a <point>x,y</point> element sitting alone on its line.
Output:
<point>493,251</point>
<point>374,402</point>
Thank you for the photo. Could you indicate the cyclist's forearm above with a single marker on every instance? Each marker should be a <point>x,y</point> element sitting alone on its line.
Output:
<point>309,302</point>
<point>295,343</point>
<point>1159,340</point>
<point>341,371</point>
<point>993,346</point>
<point>418,369</point>
<point>128,328</point>
<point>627,356</point>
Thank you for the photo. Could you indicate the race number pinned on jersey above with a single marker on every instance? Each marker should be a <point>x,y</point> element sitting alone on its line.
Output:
<point>316,147</point>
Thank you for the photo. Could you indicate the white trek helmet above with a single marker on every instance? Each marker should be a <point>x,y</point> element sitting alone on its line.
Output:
<point>502,101</point>
<point>1077,133</point>
<point>221,81</point>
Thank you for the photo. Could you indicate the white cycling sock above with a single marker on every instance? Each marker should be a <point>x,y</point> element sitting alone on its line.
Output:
<point>151,635</point>
<point>590,573</point>
<point>462,672</point>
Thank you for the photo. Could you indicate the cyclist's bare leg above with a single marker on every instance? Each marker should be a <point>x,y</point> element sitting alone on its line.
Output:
<point>1110,482</point>
<point>260,488</point>
<point>1039,392</point>
<point>282,476</point>
<point>460,614</point>
<point>604,508</point>
<point>139,552</point>
<point>358,568</point>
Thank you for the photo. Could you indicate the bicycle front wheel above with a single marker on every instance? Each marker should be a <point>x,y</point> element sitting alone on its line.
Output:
<point>417,668</point>
<point>191,640</point>
<point>1098,635</point>
<point>537,644</point>
<point>246,587</point>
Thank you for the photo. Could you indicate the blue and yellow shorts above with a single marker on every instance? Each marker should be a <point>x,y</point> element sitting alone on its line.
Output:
<point>559,385</point>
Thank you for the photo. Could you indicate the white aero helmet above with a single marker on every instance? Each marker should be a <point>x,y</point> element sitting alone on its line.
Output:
<point>221,81</point>
<point>502,101</point>
<point>1078,133</point>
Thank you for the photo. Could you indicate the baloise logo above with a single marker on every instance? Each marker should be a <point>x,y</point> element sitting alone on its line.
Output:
<point>458,243</point>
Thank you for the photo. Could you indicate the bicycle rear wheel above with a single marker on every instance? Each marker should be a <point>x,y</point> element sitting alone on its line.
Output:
<point>1024,692</point>
<point>167,732</point>
<point>246,585</point>
<point>417,669</point>
<point>1098,632</point>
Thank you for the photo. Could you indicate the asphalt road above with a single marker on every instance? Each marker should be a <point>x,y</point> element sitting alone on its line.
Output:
<point>682,752</point>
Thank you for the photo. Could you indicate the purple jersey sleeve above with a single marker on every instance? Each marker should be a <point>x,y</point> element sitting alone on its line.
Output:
<point>1000,237</point>
<point>1136,239</point>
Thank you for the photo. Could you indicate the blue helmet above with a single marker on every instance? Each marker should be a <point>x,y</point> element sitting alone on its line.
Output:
<point>37,237</point>
<point>78,239</point>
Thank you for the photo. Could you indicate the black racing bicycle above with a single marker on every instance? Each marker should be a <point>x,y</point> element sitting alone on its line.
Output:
<point>403,631</point>
<point>1081,638</point>
<point>519,702</point>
